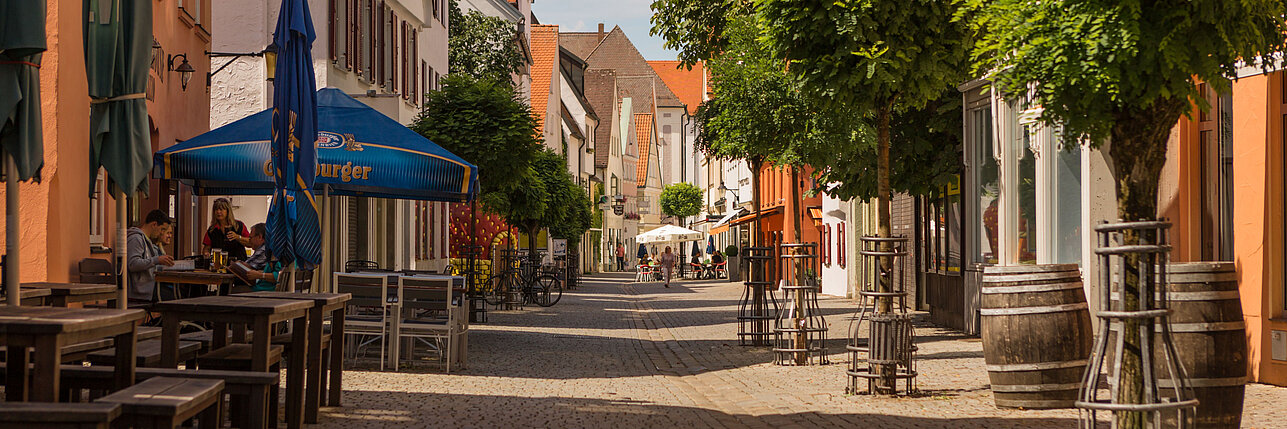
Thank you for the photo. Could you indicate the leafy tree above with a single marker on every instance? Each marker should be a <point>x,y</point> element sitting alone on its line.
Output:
<point>681,200</point>
<point>566,212</point>
<point>760,114</point>
<point>696,28</point>
<point>1124,71</point>
<point>483,46</point>
<point>482,121</point>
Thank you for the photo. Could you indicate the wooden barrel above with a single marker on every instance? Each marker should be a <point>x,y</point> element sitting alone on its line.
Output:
<point>1210,338</point>
<point>1036,334</point>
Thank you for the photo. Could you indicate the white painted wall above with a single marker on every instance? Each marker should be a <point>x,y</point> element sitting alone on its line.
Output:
<point>835,278</point>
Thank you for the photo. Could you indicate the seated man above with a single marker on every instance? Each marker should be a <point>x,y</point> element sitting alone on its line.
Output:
<point>267,267</point>
<point>143,256</point>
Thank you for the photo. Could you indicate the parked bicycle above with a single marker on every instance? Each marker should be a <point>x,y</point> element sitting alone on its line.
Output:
<point>533,284</point>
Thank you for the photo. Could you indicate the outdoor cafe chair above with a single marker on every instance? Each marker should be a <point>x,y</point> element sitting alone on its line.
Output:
<point>357,265</point>
<point>93,270</point>
<point>697,270</point>
<point>430,315</point>
<point>643,273</point>
<point>369,310</point>
<point>720,270</point>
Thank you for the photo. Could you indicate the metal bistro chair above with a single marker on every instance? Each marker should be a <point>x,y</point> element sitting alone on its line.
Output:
<point>357,265</point>
<point>643,273</point>
<point>430,315</point>
<point>695,270</point>
<point>369,310</point>
<point>721,271</point>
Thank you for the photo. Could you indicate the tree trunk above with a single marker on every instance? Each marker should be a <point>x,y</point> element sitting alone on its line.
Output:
<point>755,201</point>
<point>884,304</point>
<point>883,196</point>
<point>1137,152</point>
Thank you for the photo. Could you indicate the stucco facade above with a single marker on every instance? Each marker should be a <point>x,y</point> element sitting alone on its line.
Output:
<point>59,222</point>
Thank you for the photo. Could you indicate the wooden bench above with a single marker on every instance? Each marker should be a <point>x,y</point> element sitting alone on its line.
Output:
<point>47,415</point>
<point>148,354</point>
<point>80,351</point>
<point>250,390</point>
<point>165,402</point>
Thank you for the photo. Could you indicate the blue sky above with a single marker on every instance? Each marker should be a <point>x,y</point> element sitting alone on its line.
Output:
<point>585,15</point>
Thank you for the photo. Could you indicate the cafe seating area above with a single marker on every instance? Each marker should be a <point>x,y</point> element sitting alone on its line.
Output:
<point>215,356</point>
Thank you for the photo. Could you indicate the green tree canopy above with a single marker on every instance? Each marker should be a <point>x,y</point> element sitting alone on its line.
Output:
<point>681,200</point>
<point>483,46</point>
<point>482,121</point>
<point>1124,70</point>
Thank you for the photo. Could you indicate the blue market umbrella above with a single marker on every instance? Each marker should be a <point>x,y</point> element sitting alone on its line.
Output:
<point>118,51</point>
<point>710,245</point>
<point>294,233</point>
<point>22,41</point>
<point>360,152</point>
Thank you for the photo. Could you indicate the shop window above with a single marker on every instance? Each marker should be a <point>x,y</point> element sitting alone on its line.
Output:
<point>1215,136</point>
<point>986,180</point>
<point>941,230</point>
<point>97,213</point>
<point>842,242</point>
<point>1026,186</point>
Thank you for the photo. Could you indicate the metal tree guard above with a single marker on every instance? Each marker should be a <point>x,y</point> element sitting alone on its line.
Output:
<point>475,278</point>
<point>512,272</point>
<point>1141,249</point>
<point>889,340</point>
<point>758,306</point>
<point>800,334</point>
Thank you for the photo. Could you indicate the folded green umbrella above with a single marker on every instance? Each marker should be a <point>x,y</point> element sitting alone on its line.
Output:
<point>118,51</point>
<point>22,40</point>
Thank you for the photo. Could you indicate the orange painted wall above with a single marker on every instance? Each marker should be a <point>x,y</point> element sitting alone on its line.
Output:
<point>54,214</point>
<point>1258,222</point>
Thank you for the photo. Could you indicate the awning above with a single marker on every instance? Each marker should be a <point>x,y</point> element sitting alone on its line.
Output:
<point>723,223</point>
<point>360,152</point>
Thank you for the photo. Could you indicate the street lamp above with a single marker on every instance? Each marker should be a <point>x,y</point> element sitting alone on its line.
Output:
<point>723,188</point>
<point>185,69</point>
<point>270,60</point>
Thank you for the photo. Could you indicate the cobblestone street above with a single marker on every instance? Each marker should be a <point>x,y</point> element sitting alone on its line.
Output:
<point>617,354</point>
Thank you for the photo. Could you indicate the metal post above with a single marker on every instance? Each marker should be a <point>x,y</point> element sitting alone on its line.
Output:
<point>122,249</point>
<point>11,260</point>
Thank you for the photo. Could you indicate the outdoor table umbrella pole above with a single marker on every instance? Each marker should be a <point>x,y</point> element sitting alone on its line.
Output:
<point>122,250</point>
<point>11,236</point>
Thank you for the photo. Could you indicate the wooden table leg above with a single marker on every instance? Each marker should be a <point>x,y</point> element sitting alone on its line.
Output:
<point>239,333</point>
<point>259,347</point>
<point>258,412</point>
<point>313,393</point>
<point>17,381</point>
<point>295,373</point>
<point>336,385</point>
<point>126,351</point>
<point>46,357</point>
<point>169,340</point>
<point>220,336</point>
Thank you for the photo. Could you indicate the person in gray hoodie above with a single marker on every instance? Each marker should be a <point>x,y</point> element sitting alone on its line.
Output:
<point>144,255</point>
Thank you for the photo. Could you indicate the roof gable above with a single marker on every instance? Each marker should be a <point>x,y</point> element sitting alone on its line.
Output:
<point>688,85</point>
<point>634,75</point>
<point>545,56</point>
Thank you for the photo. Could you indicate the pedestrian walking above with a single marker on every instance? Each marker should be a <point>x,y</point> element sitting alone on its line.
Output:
<point>667,261</point>
<point>621,257</point>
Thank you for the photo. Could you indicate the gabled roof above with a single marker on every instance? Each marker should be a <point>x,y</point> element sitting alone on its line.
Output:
<point>688,85</point>
<point>579,43</point>
<point>616,52</point>
<point>545,55</point>
<point>643,137</point>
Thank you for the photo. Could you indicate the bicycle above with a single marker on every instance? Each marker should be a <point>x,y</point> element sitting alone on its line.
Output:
<point>535,286</point>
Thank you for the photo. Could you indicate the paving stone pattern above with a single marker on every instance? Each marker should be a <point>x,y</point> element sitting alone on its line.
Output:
<point>619,354</point>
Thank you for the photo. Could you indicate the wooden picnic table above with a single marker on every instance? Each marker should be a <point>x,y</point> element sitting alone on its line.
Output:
<point>30,296</point>
<point>333,303</point>
<point>61,294</point>
<point>47,330</point>
<point>240,311</point>
<point>212,280</point>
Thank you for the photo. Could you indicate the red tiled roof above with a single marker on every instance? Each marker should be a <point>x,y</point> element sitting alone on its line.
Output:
<point>643,137</point>
<point>688,85</point>
<point>545,53</point>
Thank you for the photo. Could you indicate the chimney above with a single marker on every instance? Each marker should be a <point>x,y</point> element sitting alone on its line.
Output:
<point>600,31</point>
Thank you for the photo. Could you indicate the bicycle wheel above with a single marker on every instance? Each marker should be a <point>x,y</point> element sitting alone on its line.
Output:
<point>548,290</point>
<point>494,292</point>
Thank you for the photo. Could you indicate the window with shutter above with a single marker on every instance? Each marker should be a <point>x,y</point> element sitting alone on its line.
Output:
<point>350,33</point>
<point>414,59</point>
<point>424,84</point>
<point>372,27</point>
<point>402,62</point>
<point>333,31</point>
<point>391,52</point>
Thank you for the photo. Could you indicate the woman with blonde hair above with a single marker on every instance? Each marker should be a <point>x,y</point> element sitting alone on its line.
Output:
<point>226,232</point>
